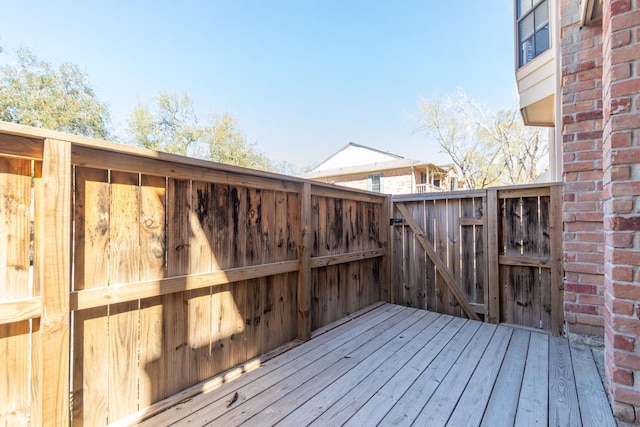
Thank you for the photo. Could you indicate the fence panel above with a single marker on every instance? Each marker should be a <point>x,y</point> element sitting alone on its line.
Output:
<point>519,257</point>
<point>181,269</point>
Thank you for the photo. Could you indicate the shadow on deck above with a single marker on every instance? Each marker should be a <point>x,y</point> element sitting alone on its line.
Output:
<point>392,365</point>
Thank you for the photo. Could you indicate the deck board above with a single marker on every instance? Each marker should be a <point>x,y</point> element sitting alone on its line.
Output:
<point>394,365</point>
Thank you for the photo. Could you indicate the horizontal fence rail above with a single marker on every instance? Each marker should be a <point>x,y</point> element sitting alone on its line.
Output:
<point>138,274</point>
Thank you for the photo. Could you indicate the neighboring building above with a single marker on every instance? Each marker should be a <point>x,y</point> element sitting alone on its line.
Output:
<point>578,71</point>
<point>365,168</point>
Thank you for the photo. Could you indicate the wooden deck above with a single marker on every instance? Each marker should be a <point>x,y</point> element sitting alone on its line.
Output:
<point>392,365</point>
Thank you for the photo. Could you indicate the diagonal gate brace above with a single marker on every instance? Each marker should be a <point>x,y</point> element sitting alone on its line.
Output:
<point>441,267</point>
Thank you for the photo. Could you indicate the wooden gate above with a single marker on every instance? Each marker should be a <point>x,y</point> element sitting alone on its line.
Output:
<point>492,254</point>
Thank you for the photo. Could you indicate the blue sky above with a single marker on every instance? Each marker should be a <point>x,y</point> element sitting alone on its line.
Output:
<point>304,78</point>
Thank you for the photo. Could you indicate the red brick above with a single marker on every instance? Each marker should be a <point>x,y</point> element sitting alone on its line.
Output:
<point>623,376</point>
<point>581,308</point>
<point>622,307</point>
<point>583,288</point>
<point>591,299</point>
<point>623,411</point>
<point>620,105</point>
<point>626,395</point>
<point>622,206</point>
<point>626,291</point>
<point>620,71</point>
<point>617,173</point>
<point>583,226</point>
<point>619,240</point>
<point>626,156</point>
<point>621,139</point>
<point>626,360</point>
<point>588,319</point>
<point>625,188</point>
<point>625,87</point>
<point>589,216</point>
<point>620,342</point>
<point>627,20</point>
<point>620,38</point>
<point>620,6</point>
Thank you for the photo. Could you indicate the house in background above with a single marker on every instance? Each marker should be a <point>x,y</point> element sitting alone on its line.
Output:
<point>578,72</point>
<point>365,168</point>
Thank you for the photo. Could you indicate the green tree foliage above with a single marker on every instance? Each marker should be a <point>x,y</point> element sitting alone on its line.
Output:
<point>173,126</point>
<point>487,149</point>
<point>34,93</point>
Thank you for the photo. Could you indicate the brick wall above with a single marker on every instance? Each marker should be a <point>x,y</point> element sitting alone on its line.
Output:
<point>583,242</point>
<point>621,154</point>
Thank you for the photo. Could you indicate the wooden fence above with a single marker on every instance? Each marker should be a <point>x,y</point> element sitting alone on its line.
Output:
<point>150,273</point>
<point>492,254</point>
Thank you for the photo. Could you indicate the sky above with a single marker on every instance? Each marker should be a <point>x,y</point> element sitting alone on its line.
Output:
<point>303,77</point>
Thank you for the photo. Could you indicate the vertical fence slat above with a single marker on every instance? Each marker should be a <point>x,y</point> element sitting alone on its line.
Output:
<point>124,267</point>
<point>557,273</point>
<point>304,278</point>
<point>56,277</point>
<point>91,263</point>
<point>152,266</point>
<point>199,301</point>
<point>175,312</point>
<point>15,338</point>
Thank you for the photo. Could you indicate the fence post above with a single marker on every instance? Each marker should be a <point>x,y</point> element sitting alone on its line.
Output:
<point>55,282</point>
<point>387,274</point>
<point>304,277</point>
<point>557,272</point>
<point>492,289</point>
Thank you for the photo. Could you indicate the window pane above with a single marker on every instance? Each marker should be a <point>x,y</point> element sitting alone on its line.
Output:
<point>526,51</point>
<point>525,28</point>
<point>523,7</point>
<point>375,183</point>
<point>542,40</point>
<point>542,15</point>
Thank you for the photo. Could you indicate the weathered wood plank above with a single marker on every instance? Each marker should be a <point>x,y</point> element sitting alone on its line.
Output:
<point>17,310</point>
<point>91,270</point>
<point>492,286</point>
<point>594,407</point>
<point>555,247</point>
<point>124,266</point>
<point>175,358</point>
<point>152,266</point>
<point>533,405</point>
<point>98,297</point>
<point>56,274</point>
<point>327,260</point>
<point>503,403</point>
<point>304,276</point>
<point>563,398</point>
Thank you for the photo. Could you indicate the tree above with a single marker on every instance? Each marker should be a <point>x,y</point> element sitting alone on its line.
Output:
<point>34,93</point>
<point>487,149</point>
<point>173,127</point>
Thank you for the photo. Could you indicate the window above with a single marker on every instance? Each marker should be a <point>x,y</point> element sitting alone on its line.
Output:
<point>375,183</point>
<point>436,183</point>
<point>533,29</point>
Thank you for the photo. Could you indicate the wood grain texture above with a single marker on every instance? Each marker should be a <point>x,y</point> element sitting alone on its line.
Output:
<point>124,266</point>
<point>91,270</point>
<point>56,274</point>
